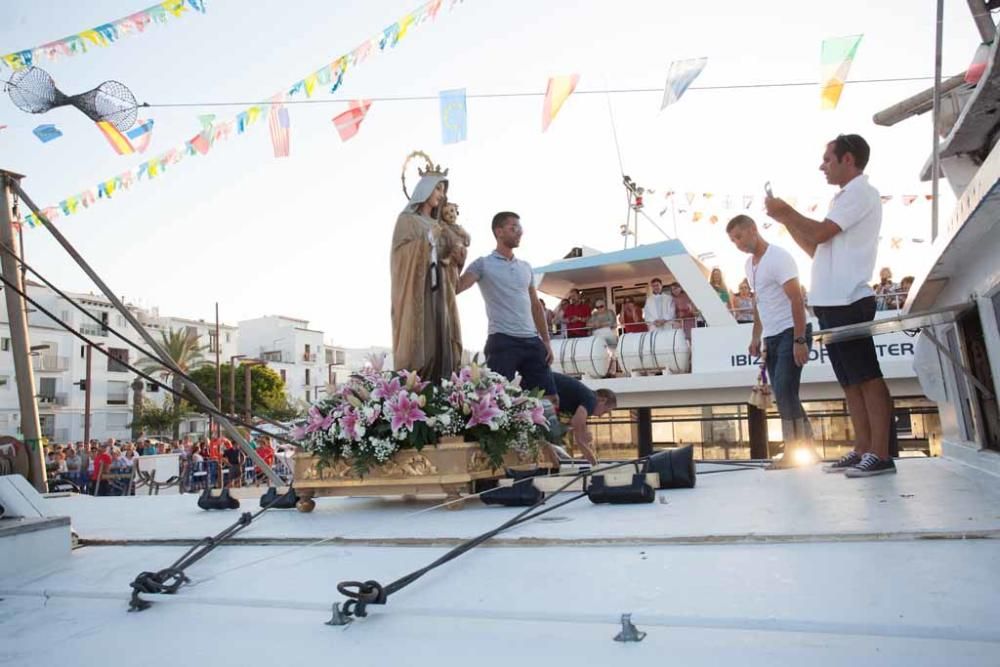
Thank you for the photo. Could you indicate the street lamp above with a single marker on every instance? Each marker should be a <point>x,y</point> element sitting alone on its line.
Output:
<point>232,382</point>
<point>247,365</point>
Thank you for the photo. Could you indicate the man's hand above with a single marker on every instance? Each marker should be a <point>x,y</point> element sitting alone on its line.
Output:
<point>801,351</point>
<point>585,442</point>
<point>754,348</point>
<point>777,208</point>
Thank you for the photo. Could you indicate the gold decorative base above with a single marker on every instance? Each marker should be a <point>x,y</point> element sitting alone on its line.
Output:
<point>450,468</point>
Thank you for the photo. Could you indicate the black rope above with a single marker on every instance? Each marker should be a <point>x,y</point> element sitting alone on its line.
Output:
<point>213,411</point>
<point>361,594</point>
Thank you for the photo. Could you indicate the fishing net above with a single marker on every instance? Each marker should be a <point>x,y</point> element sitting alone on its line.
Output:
<point>32,90</point>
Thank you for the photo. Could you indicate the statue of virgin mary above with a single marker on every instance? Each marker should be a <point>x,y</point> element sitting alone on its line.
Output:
<point>422,314</point>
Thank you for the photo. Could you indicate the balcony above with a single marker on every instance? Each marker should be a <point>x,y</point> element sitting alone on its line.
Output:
<point>52,400</point>
<point>49,363</point>
<point>93,330</point>
<point>307,356</point>
<point>273,355</point>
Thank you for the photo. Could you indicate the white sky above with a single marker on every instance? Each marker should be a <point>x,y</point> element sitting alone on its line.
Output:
<point>308,236</point>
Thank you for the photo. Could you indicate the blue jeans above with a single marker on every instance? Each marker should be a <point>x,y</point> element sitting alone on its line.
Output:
<point>784,373</point>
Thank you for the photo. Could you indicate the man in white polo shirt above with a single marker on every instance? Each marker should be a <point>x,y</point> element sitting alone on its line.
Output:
<point>843,247</point>
<point>780,323</point>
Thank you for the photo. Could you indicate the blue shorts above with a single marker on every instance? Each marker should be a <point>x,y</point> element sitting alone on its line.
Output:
<point>853,361</point>
<point>508,355</point>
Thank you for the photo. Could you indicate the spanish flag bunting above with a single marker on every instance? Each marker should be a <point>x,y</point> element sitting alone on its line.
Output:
<point>118,141</point>
<point>556,93</point>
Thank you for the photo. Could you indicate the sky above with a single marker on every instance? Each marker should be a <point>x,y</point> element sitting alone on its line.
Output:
<point>308,236</point>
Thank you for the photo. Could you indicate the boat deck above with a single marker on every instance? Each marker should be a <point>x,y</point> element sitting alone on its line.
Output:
<point>751,566</point>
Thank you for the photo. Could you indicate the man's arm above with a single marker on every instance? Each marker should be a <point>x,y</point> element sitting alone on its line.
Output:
<point>581,434</point>
<point>538,315</point>
<point>758,328</point>
<point>794,293</point>
<point>806,232</point>
<point>467,280</point>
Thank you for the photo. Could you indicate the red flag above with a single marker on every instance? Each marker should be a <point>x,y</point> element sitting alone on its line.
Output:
<point>200,143</point>
<point>349,122</point>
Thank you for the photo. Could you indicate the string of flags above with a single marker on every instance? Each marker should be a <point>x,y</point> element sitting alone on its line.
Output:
<point>103,35</point>
<point>214,131</point>
<point>836,57</point>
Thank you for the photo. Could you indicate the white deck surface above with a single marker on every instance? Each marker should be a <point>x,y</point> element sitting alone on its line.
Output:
<point>749,568</point>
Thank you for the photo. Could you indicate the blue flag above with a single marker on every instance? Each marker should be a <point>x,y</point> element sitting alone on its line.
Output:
<point>453,117</point>
<point>47,133</point>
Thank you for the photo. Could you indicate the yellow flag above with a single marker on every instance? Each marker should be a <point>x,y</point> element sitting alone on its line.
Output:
<point>557,92</point>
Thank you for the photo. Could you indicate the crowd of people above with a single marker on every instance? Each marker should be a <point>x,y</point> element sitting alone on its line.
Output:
<point>98,468</point>
<point>576,317</point>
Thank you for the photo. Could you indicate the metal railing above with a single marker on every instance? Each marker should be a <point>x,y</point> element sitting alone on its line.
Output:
<point>49,363</point>
<point>93,330</point>
<point>53,399</point>
<point>307,356</point>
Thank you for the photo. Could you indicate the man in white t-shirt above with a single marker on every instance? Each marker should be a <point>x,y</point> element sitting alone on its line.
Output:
<point>658,310</point>
<point>843,247</point>
<point>779,321</point>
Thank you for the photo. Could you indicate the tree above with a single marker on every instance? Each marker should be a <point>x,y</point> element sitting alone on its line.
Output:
<point>182,347</point>
<point>155,420</point>
<point>267,390</point>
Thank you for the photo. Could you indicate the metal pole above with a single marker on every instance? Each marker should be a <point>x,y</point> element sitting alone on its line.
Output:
<point>86,400</point>
<point>31,427</point>
<point>935,157</point>
<point>232,386</point>
<point>246,390</point>
<point>155,345</point>
<point>218,370</point>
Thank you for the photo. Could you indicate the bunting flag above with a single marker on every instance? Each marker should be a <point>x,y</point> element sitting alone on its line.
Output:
<point>896,243</point>
<point>214,131</point>
<point>747,201</point>
<point>909,199</point>
<point>886,199</point>
<point>141,135</point>
<point>349,122</point>
<point>681,74</point>
<point>836,57</point>
<point>103,35</point>
<point>118,141</point>
<point>453,116</point>
<point>3,127</point>
<point>696,216</point>
<point>47,133</point>
<point>690,197</point>
<point>556,93</point>
<point>978,66</point>
<point>278,123</point>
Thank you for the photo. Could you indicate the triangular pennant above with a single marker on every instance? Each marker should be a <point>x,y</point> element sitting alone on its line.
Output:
<point>681,74</point>
<point>886,199</point>
<point>556,93</point>
<point>690,197</point>
<point>836,56</point>
<point>909,199</point>
<point>896,243</point>
<point>141,135</point>
<point>697,216</point>
<point>747,201</point>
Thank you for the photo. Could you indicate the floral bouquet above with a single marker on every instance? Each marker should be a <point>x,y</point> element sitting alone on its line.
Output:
<point>366,420</point>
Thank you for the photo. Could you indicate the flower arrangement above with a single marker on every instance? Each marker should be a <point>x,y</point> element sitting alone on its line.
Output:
<point>376,413</point>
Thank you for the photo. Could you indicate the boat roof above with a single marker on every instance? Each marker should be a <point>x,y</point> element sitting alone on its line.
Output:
<point>639,263</point>
<point>749,567</point>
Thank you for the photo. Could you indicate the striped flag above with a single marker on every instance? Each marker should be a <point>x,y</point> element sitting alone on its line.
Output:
<point>349,122</point>
<point>141,135</point>
<point>556,93</point>
<point>836,57</point>
<point>681,74</point>
<point>277,121</point>
<point>118,141</point>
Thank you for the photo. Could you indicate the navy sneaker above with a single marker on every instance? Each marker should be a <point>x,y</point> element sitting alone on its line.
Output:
<point>870,466</point>
<point>849,460</point>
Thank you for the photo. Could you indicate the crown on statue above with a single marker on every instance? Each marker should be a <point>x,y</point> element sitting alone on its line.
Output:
<point>432,170</point>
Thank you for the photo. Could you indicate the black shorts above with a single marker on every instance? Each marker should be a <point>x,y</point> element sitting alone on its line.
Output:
<point>508,355</point>
<point>853,361</point>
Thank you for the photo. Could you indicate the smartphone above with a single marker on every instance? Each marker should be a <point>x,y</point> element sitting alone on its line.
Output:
<point>767,189</point>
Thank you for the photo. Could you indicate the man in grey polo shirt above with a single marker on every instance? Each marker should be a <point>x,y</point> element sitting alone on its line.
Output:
<point>518,340</point>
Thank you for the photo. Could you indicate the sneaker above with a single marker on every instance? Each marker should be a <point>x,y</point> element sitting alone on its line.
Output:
<point>849,460</point>
<point>870,466</point>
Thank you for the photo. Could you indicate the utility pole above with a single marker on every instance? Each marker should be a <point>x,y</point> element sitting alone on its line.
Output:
<point>218,371</point>
<point>86,399</point>
<point>232,383</point>
<point>20,343</point>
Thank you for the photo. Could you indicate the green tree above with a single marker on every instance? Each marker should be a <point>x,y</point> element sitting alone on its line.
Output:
<point>267,390</point>
<point>154,420</point>
<point>183,348</point>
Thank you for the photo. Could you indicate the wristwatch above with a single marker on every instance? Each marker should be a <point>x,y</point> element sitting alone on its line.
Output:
<point>801,340</point>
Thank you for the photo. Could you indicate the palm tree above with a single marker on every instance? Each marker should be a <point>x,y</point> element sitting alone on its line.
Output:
<point>182,347</point>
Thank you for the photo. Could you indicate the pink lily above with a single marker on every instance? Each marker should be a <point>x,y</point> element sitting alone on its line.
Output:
<point>483,412</point>
<point>386,390</point>
<point>404,411</point>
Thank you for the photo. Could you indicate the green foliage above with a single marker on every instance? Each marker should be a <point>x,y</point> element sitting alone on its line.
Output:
<point>267,390</point>
<point>156,419</point>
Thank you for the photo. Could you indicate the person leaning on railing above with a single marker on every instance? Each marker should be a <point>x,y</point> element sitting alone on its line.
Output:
<point>743,304</point>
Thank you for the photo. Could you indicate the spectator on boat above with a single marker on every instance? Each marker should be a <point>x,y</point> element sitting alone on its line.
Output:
<point>550,317</point>
<point>844,247</point>
<point>719,285</point>
<point>603,323</point>
<point>780,331</point>
<point>660,309</point>
<point>742,305</point>
<point>576,315</point>
<point>904,290</point>
<point>631,317</point>
<point>559,320</point>
<point>580,402</point>
<point>885,290</point>
<point>684,308</point>
<point>518,340</point>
